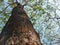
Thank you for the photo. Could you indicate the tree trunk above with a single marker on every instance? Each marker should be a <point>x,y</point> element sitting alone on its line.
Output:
<point>19,30</point>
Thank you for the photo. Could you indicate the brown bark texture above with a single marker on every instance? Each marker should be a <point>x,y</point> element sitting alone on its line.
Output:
<point>19,30</point>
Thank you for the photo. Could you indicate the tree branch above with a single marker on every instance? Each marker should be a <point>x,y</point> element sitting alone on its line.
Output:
<point>7,7</point>
<point>4,9</point>
<point>55,18</point>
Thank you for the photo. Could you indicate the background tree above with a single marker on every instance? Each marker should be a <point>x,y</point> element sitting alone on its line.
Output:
<point>44,15</point>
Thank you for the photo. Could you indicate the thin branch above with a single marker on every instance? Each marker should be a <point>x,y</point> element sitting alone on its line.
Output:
<point>4,9</point>
<point>26,3</point>
<point>55,18</point>
<point>11,3</point>
<point>7,7</point>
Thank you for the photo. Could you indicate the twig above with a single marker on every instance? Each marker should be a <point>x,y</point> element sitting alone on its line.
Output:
<point>4,9</point>
<point>12,3</point>
<point>55,18</point>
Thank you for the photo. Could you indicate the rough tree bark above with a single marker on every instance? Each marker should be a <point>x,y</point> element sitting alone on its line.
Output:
<point>19,30</point>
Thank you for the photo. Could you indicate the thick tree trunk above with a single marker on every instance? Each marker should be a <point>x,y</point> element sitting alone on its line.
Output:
<point>19,30</point>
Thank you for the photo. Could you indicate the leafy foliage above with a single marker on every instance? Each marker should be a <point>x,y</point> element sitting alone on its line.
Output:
<point>44,16</point>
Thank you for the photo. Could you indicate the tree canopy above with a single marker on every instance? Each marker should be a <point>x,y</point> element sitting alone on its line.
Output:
<point>44,14</point>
